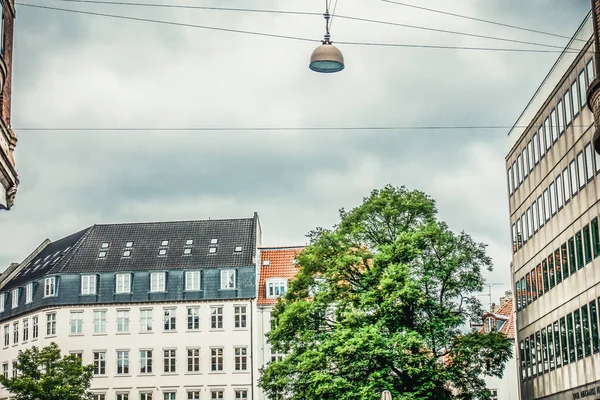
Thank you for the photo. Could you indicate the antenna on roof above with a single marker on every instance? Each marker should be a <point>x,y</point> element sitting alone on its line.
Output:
<point>489,294</point>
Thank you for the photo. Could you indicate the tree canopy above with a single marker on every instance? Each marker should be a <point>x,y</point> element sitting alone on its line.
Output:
<point>380,303</point>
<point>45,375</point>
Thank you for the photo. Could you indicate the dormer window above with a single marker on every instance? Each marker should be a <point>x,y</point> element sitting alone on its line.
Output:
<point>29,293</point>
<point>88,285</point>
<point>228,279</point>
<point>129,244</point>
<point>238,249</point>
<point>164,243</point>
<point>15,298</point>
<point>157,281</point>
<point>276,287</point>
<point>105,245</point>
<point>50,287</point>
<point>123,284</point>
<point>490,324</point>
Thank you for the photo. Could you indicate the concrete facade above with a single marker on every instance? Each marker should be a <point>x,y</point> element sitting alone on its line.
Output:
<point>8,140</point>
<point>553,201</point>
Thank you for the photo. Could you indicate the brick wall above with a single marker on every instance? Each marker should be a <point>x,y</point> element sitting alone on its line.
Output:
<point>5,99</point>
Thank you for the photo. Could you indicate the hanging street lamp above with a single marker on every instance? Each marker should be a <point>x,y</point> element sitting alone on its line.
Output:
<point>327,58</point>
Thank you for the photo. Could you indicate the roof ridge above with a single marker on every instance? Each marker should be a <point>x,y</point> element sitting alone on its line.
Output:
<point>173,221</point>
<point>282,247</point>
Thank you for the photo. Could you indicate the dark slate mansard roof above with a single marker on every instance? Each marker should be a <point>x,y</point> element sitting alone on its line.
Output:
<point>78,253</point>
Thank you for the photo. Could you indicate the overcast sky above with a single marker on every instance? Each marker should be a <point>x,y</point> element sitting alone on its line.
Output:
<point>73,70</point>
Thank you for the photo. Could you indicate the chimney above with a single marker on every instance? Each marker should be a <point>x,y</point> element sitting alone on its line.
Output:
<point>593,92</point>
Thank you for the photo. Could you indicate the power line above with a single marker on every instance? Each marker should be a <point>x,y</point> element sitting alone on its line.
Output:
<point>254,33</point>
<point>481,20</point>
<point>347,17</point>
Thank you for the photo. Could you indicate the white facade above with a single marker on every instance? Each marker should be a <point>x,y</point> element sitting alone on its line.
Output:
<point>507,387</point>
<point>209,362</point>
<point>263,351</point>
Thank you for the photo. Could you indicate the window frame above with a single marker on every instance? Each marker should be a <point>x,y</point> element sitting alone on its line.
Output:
<point>88,285</point>
<point>189,283</point>
<point>158,282</point>
<point>275,284</point>
<point>29,293</point>
<point>76,324</point>
<point>581,170</point>
<point>50,286</point>
<point>120,280</point>
<point>228,276</point>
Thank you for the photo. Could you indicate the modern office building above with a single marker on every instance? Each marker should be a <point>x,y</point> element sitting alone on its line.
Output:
<point>8,140</point>
<point>277,267</point>
<point>162,310</point>
<point>553,202</point>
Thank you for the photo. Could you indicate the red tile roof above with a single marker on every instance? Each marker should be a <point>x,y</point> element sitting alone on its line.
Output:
<point>508,328</point>
<point>281,265</point>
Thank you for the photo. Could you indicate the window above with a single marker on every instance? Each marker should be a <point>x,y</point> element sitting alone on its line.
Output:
<point>528,281</point>
<point>28,293</point>
<point>122,362</point>
<point>547,131</point>
<point>578,340</point>
<point>594,324</point>
<point>589,162</point>
<point>536,152</point>
<point>525,166</point>
<point>518,294</point>
<point>51,324</point>
<point>146,320</point>
<point>542,142</point>
<point>277,287</point>
<point>538,348</point>
<point>212,250</point>
<point>553,207</point>
<point>126,253</point>
<point>539,282</point>
<point>99,363</point>
<point>551,271</point>
<point>88,284</point>
<point>25,330</point>
<point>534,216</point>
<point>192,281</point>
<point>579,248</point>
<point>15,332</point>
<point>162,252</point>
<point>189,242</point>
<point>520,170</point>
<point>514,179</point>
<point>216,395</point>
<point>581,170</point>
<point>544,349</point>
<point>528,357</point>
<point>572,255</point>
<point>546,282</point>
<point>187,251</point>
<point>546,205</point>
<point>14,294</point>
<point>554,126</point>
<point>490,324</point>
<point>575,100</point>
<point>99,321</point>
<point>565,260</point>
<point>164,243</point>
<point>238,249</point>
<point>15,371</point>
<point>216,317</point>
<point>523,294</point>
<point>568,111</point>
<point>102,254</point>
<point>524,222</point>
<point>129,244</point>
<point>595,237</point>
<point>122,396</point>
<point>587,245</point>
<point>76,322</point>
<point>550,347</point>
<point>540,208</point>
<point>228,279</point>
<point>514,238</point>
<point>35,330</point>
<point>193,360</point>
<point>216,359</point>
<point>145,361</point>
<point>574,185</point>
<point>169,319</point>
<point>241,358</point>
<point>559,192</point>
<point>557,266</point>
<point>214,241</point>
<point>566,191</point>
<point>585,327</point>
<point>590,71</point>
<point>561,117</point>
<point>193,395</point>
<point>169,395</point>
<point>571,336</point>
<point>49,287</point>
<point>193,318</point>
<point>243,394</point>
<point>98,396</point>
<point>557,354</point>
<point>123,283</point>
<point>239,316</point>
<point>157,282</point>
<point>169,360</point>
<point>276,355</point>
<point>122,321</point>
<point>5,370</point>
<point>105,245</point>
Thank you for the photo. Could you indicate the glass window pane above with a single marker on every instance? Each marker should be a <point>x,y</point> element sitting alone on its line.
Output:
<point>595,237</point>
<point>540,207</point>
<point>566,191</point>
<point>571,336</point>
<point>568,111</point>
<point>551,275</point>
<point>529,224</point>
<point>582,89</point>
<point>539,283</point>
<point>579,248</point>
<point>515,181</point>
<point>530,156</point>
<point>529,293</point>
<point>552,199</point>
<point>581,170</point>
<point>545,349</point>
<point>536,151</point>
<point>578,341</point>
<point>518,294</point>
<point>547,132</point>
<point>554,125</point>
<point>520,170</point>
<point>587,244</point>
<point>510,182</point>
<point>561,117</point>
<point>590,71</point>
<point>594,325</point>
<point>546,205</point>
<point>542,141</point>
<point>585,328</point>
<point>575,99</point>
<point>565,260</point>
<point>534,216</point>
<point>589,162</point>
<point>573,265</point>
<point>525,165</point>
<point>559,192</point>
<point>557,354</point>
<point>574,185</point>
<point>557,266</point>
<point>534,289</point>
<point>545,272</point>
<point>563,341</point>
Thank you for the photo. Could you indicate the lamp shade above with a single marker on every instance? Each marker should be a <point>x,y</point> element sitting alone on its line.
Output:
<point>326,59</point>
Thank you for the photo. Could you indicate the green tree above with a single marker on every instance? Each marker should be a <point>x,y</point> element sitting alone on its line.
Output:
<point>380,303</point>
<point>45,375</point>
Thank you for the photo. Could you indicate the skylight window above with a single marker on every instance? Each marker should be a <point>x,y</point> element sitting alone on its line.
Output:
<point>162,252</point>
<point>187,251</point>
<point>102,254</point>
<point>127,253</point>
<point>129,244</point>
<point>266,262</point>
<point>238,249</point>
<point>105,245</point>
<point>212,250</point>
<point>164,243</point>
<point>214,241</point>
<point>189,242</point>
